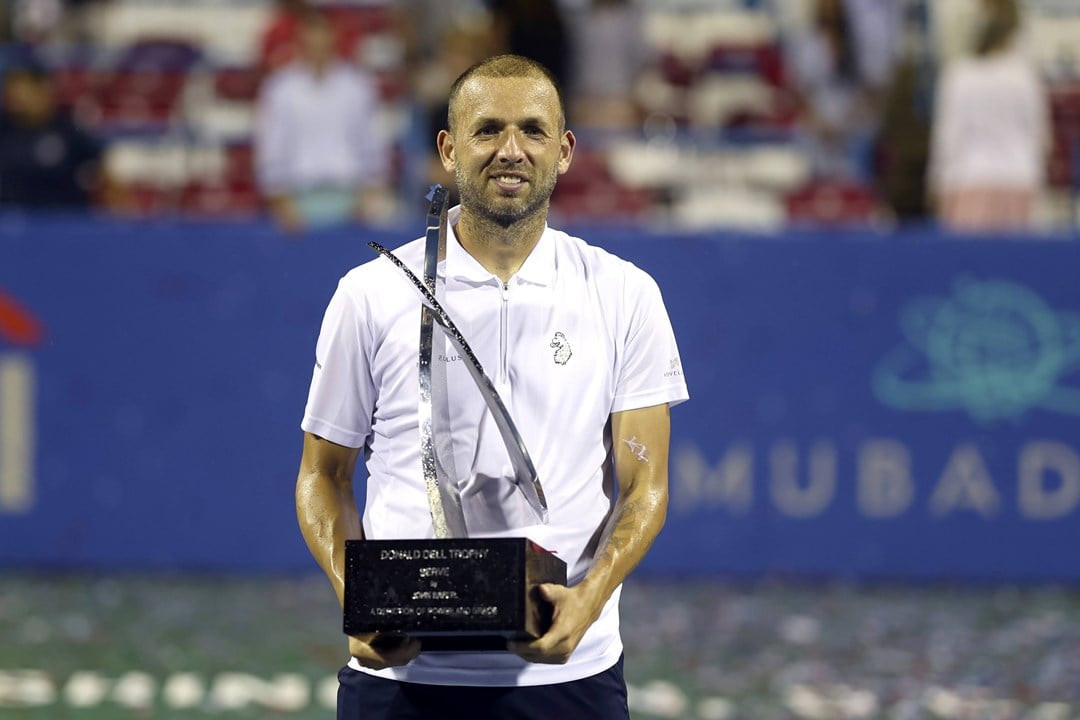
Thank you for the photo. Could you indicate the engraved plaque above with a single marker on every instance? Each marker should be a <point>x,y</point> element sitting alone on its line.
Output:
<point>453,594</point>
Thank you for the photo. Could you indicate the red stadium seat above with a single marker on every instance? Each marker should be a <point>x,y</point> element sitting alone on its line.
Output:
<point>219,200</point>
<point>237,83</point>
<point>833,203</point>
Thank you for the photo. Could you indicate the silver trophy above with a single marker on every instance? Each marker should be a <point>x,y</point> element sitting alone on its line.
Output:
<point>453,592</point>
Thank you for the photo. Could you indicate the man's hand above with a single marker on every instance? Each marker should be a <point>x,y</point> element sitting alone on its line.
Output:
<point>574,612</point>
<point>379,650</point>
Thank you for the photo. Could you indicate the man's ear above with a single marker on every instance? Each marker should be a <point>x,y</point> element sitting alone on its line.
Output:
<point>566,151</point>
<point>445,143</point>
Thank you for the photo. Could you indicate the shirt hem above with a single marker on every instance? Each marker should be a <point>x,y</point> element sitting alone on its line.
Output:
<point>530,675</point>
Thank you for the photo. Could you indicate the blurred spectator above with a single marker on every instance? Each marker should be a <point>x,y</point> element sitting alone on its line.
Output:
<point>36,21</point>
<point>609,52</point>
<point>423,24</point>
<point>903,140</point>
<point>442,40</point>
<point>535,29</point>
<point>46,160</point>
<point>990,130</point>
<point>319,155</point>
<point>40,22</point>
<point>280,42</point>
<point>876,31</point>
<point>841,65</point>
<point>460,47</point>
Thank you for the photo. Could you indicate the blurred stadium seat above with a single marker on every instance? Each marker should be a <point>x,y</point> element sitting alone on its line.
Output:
<point>834,203</point>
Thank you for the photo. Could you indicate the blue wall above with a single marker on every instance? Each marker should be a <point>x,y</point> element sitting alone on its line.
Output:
<point>899,406</point>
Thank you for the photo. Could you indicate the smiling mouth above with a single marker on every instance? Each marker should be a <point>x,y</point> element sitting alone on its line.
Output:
<point>508,182</point>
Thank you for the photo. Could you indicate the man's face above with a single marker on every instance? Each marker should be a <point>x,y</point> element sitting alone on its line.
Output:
<point>507,148</point>
<point>317,42</point>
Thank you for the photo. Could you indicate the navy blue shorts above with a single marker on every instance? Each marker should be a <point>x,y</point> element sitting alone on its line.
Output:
<point>366,697</point>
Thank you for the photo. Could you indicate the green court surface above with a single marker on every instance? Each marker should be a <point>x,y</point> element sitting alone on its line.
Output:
<point>193,647</point>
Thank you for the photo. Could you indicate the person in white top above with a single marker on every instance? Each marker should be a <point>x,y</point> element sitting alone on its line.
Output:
<point>320,158</point>
<point>990,132</point>
<point>580,348</point>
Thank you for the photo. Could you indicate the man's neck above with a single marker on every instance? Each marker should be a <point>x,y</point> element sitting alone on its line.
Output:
<point>500,250</point>
<point>318,67</point>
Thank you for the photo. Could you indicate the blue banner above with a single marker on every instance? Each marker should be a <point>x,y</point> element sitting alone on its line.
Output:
<point>869,406</point>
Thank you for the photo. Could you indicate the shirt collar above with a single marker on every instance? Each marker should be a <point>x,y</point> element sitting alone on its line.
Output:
<point>538,268</point>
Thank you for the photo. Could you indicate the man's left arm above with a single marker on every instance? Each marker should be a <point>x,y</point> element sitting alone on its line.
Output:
<point>640,445</point>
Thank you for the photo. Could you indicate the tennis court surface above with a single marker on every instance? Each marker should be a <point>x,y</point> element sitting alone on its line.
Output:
<point>188,647</point>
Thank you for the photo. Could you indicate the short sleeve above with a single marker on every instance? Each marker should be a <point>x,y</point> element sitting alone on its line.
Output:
<point>341,398</point>
<point>650,370</point>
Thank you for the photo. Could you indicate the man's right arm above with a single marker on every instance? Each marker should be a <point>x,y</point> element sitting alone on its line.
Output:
<point>326,507</point>
<point>326,511</point>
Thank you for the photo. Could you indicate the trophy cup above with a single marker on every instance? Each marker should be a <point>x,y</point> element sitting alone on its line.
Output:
<point>453,592</point>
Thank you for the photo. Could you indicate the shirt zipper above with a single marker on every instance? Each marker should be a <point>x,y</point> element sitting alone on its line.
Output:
<point>504,330</point>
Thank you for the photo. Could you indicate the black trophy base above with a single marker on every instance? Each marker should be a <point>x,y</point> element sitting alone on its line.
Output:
<point>464,594</point>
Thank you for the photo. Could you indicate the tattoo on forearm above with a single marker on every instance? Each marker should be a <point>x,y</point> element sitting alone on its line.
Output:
<point>637,448</point>
<point>620,532</point>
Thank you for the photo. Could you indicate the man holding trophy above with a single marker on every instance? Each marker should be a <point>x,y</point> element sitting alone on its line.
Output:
<point>528,337</point>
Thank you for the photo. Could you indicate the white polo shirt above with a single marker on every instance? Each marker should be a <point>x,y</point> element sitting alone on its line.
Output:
<point>576,335</point>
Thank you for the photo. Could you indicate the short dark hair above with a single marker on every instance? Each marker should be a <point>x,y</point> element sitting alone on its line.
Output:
<point>1002,22</point>
<point>505,66</point>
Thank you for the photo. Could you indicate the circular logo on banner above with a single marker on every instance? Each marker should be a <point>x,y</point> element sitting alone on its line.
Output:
<point>995,349</point>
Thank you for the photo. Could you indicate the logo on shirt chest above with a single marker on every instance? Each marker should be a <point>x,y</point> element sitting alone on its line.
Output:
<point>562,349</point>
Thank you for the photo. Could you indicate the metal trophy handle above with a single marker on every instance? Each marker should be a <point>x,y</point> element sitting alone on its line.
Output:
<point>444,498</point>
<point>443,495</point>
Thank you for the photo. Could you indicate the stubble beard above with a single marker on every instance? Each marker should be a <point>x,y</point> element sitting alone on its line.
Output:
<point>504,215</point>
